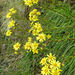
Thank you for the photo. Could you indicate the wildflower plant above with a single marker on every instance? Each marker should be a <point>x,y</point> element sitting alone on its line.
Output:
<point>28,26</point>
<point>11,23</point>
<point>50,66</point>
<point>10,13</point>
<point>36,39</point>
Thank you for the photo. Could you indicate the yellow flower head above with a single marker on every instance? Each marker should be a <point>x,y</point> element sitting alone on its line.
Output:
<point>11,23</point>
<point>14,11</point>
<point>55,64</point>
<point>8,33</point>
<point>56,71</point>
<point>45,71</point>
<point>34,11</point>
<point>38,13</point>
<point>35,1</point>
<point>51,57</point>
<point>9,15</point>
<point>39,29</point>
<point>30,2</point>
<point>48,36</point>
<point>11,9</point>
<point>34,45</point>
<point>27,46</point>
<point>16,46</point>
<point>34,18</point>
<point>33,15</point>
<point>43,61</point>
<point>41,37</point>
<point>34,32</point>
<point>35,51</point>
<point>37,25</point>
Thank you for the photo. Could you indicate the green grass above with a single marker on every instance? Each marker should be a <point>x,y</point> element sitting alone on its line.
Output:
<point>57,20</point>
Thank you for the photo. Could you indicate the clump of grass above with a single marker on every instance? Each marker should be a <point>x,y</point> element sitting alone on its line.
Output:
<point>57,20</point>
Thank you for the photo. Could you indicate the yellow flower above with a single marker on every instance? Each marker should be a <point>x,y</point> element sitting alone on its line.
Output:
<point>45,71</point>
<point>34,11</point>
<point>56,71</point>
<point>35,1</point>
<point>33,15</point>
<point>16,46</point>
<point>34,32</point>
<point>34,45</point>
<point>11,9</point>
<point>14,11</point>
<point>11,24</point>
<point>8,33</point>
<point>38,13</point>
<point>29,3</point>
<point>35,51</point>
<point>43,61</point>
<point>55,64</point>
<point>27,46</point>
<point>39,29</point>
<point>48,36</point>
<point>34,18</point>
<point>9,15</point>
<point>37,25</point>
<point>41,37</point>
<point>51,57</point>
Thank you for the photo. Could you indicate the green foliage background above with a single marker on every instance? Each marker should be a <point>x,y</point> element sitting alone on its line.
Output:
<point>57,19</point>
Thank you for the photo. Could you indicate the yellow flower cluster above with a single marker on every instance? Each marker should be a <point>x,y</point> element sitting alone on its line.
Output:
<point>30,2</point>
<point>33,15</point>
<point>31,46</point>
<point>50,65</point>
<point>10,13</point>
<point>12,22</point>
<point>16,47</point>
<point>37,31</point>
